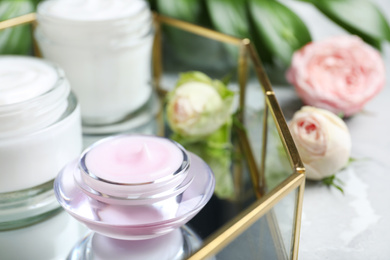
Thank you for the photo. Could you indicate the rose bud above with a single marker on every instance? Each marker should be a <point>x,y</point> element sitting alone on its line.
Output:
<point>323,141</point>
<point>198,106</point>
<point>340,74</point>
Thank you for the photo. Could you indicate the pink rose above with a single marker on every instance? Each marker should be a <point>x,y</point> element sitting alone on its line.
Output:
<point>323,141</point>
<point>340,74</point>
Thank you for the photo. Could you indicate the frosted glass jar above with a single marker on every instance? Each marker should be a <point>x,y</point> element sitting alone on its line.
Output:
<point>40,131</point>
<point>105,50</point>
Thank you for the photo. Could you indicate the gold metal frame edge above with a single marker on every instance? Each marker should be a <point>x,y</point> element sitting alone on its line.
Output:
<point>240,223</point>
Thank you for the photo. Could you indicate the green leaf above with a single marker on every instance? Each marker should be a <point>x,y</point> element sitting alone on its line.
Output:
<point>351,160</point>
<point>216,150</point>
<point>229,17</point>
<point>15,40</point>
<point>186,10</point>
<point>280,29</point>
<point>332,181</point>
<point>359,17</point>
<point>187,50</point>
<point>35,2</point>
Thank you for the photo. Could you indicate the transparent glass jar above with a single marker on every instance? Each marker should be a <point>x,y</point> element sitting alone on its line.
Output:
<point>40,131</point>
<point>105,50</point>
<point>159,191</point>
<point>176,245</point>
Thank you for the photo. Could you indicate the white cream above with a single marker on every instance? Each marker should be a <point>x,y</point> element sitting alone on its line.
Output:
<point>29,97</point>
<point>91,10</point>
<point>40,128</point>
<point>104,48</point>
<point>22,79</point>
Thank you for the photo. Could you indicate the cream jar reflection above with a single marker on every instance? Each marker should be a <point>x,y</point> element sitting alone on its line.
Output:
<point>40,131</point>
<point>104,48</point>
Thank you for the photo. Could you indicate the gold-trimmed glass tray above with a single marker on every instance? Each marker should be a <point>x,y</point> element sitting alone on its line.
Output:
<point>263,219</point>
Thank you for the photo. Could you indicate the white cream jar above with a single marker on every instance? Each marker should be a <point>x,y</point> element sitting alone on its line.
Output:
<point>105,50</point>
<point>40,131</point>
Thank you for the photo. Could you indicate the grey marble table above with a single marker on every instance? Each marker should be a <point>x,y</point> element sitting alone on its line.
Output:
<point>356,224</point>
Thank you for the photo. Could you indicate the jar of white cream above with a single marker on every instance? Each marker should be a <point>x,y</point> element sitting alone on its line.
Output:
<point>105,50</point>
<point>40,131</point>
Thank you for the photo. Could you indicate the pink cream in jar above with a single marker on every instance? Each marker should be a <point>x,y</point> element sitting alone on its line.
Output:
<point>134,187</point>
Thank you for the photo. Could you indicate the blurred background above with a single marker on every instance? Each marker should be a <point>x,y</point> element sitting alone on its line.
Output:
<point>277,28</point>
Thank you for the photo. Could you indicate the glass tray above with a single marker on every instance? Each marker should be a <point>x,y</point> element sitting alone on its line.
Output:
<point>262,220</point>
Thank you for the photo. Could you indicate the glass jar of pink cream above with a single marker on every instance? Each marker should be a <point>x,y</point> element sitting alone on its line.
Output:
<point>134,187</point>
<point>40,131</point>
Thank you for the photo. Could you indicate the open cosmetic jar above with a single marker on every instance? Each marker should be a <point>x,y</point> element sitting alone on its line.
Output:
<point>134,187</point>
<point>40,131</point>
<point>105,50</point>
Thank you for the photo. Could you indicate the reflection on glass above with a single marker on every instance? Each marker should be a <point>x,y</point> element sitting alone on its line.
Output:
<point>50,239</point>
<point>176,245</point>
<point>270,237</point>
<point>278,167</point>
<point>284,214</point>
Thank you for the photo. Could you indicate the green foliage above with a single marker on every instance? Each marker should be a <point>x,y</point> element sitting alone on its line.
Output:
<point>218,155</point>
<point>15,40</point>
<point>281,30</point>
<point>360,17</point>
<point>229,17</point>
<point>188,10</point>
<point>332,181</point>
<point>275,29</point>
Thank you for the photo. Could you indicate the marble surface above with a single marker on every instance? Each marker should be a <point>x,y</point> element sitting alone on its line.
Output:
<point>353,225</point>
<point>356,224</point>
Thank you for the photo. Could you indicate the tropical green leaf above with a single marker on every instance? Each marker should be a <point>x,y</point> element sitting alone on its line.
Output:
<point>229,17</point>
<point>15,40</point>
<point>359,17</point>
<point>333,181</point>
<point>280,29</point>
<point>35,2</point>
<point>186,10</point>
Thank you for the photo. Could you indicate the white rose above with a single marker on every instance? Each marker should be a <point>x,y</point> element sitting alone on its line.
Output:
<point>197,109</point>
<point>323,141</point>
